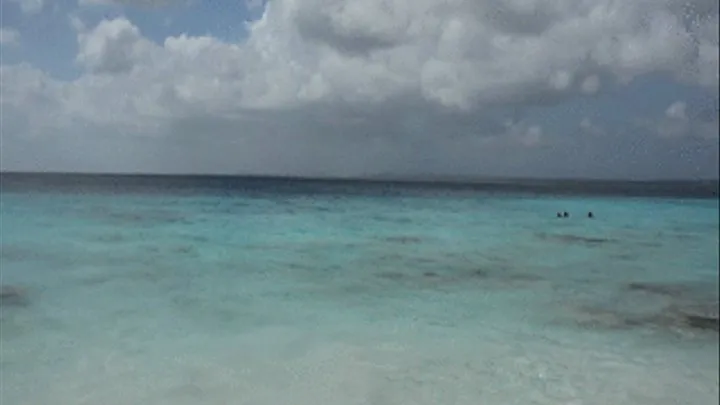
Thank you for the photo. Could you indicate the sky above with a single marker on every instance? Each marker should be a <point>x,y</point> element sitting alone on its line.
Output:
<point>512,88</point>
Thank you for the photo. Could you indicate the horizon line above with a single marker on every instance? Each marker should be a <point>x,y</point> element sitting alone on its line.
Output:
<point>435,178</point>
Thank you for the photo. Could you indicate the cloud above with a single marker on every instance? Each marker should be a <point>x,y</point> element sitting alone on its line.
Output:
<point>343,87</point>
<point>590,128</point>
<point>677,122</point>
<point>590,85</point>
<point>136,3</point>
<point>114,46</point>
<point>676,111</point>
<point>30,6</point>
<point>9,36</point>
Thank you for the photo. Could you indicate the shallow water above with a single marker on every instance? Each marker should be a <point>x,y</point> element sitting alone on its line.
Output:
<point>351,297</point>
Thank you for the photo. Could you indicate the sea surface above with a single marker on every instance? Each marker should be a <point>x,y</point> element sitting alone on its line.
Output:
<point>153,290</point>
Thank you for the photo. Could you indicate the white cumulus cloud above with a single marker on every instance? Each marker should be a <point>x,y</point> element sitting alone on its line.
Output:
<point>343,87</point>
<point>678,121</point>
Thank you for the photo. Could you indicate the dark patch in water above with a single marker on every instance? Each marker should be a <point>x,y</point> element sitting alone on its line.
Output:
<point>624,256</point>
<point>570,239</point>
<point>150,217</point>
<point>15,253</point>
<point>479,277</point>
<point>13,296</point>
<point>403,239</point>
<point>110,238</point>
<point>151,249</point>
<point>299,266</point>
<point>390,257</point>
<point>480,273</point>
<point>505,276</point>
<point>334,267</point>
<point>699,316</point>
<point>423,261</point>
<point>523,277</point>
<point>694,318</point>
<point>391,219</point>
<point>670,290</point>
<point>649,244</point>
<point>703,322</point>
<point>199,238</point>
<point>183,249</point>
<point>492,279</point>
<point>596,317</point>
<point>22,252</point>
<point>391,275</point>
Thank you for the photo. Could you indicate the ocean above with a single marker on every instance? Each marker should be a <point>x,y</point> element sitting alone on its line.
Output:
<point>226,290</point>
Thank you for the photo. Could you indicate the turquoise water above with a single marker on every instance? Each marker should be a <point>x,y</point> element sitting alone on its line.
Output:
<point>454,297</point>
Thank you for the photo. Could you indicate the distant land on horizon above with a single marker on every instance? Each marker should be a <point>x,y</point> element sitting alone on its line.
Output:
<point>150,182</point>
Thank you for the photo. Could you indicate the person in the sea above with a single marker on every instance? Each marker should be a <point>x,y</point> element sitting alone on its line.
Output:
<point>590,214</point>
<point>565,214</point>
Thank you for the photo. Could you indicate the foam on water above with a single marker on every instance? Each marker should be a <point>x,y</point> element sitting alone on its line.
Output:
<point>455,298</point>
